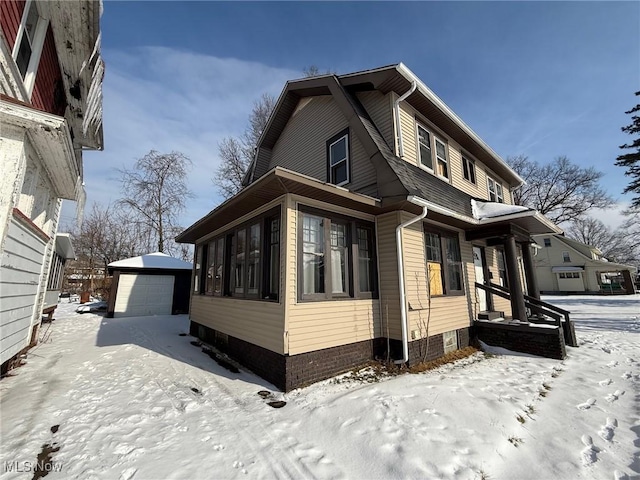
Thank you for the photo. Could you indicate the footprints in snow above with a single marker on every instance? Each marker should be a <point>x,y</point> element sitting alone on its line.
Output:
<point>589,453</point>
<point>607,430</point>
<point>612,397</point>
<point>606,382</point>
<point>587,405</point>
<point>267,395</point>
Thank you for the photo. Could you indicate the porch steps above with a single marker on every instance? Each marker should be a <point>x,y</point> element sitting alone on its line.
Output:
<point>487,315</point>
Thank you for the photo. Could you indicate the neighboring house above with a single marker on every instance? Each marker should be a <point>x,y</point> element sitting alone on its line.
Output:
<point>564,265</point>
<point>63,251</point>
<point>153,284</point>
<point>50,111</point>
<point>368,215</point>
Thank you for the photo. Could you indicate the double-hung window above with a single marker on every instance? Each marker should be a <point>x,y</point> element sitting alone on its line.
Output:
<point>336,257</point>
<point>444,262</point>
<point>215,267</point>
<point>338,168</point>
<point>432,151</point>
<point>29,41</point>
<point>469,169</point>
<point>495,191</point>
<point>566,258</point>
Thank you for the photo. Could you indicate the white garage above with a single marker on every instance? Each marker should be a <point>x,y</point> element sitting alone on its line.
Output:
<point>154,284</point>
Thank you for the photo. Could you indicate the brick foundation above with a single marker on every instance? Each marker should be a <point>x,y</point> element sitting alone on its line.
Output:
<point>544,342</point>
<point>289,372</point>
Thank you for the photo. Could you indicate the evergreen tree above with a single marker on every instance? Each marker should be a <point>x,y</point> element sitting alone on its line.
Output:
<point>631,160</point>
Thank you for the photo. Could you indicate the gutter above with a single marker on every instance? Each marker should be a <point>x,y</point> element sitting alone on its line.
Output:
<point>396,109</point>
<point>403,293</point>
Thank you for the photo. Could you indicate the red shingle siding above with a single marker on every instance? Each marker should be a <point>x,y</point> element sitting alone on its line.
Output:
<point>10,17</point>
<point>48,92</point>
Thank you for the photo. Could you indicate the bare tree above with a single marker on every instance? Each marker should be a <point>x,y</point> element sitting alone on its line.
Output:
<point>560,190</point>
<point>614,245</point>
<point>155,193</point>
<point>236,153</point>
<point>630,230</point>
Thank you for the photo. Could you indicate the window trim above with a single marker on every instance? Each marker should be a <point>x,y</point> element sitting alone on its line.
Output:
<point>443,234</point>
<point>36,44</point>
<point>469,169</point>
<point>332,141</point>
<point>352,281</point>
<point>566,258</point>
<point>499,197</point>
<point>435,158</point>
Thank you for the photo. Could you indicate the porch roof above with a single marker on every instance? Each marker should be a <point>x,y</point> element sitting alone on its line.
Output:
<point>272,185</point>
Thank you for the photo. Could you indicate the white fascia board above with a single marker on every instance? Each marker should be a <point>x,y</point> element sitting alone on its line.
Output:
<point>51,138</point>
<point>428,93</point>
<point>64,246</point>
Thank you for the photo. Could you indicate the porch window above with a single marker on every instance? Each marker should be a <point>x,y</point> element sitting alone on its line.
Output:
<point>338,158</point>
<point>215,269</point>
<point>469,169</point>
<point>502,269</point>
<point>444,262</point>
<point>495,191</point>
<point>243,263</point>
<point>336,257</point>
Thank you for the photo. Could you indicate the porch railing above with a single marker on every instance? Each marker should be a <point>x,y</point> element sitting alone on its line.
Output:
<point>538,307</point>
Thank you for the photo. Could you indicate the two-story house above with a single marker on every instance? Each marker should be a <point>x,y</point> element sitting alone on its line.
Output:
<point>50,112</point>
<point>565,265</point>
<point>368,215</point>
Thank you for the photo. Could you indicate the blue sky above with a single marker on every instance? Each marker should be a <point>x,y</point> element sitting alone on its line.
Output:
<point>541,79</point>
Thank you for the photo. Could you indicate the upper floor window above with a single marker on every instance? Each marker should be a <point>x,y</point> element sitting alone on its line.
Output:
<point>432,150</point>
<point>566,257</point>
<point>29,42</point>
<point>495,191</point>
<point>469,169</point>
<point>338,158</point>
<point>547,242</point>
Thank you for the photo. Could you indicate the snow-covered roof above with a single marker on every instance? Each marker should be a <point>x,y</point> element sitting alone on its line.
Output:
<point>152,260</point>
<point>483,210</point>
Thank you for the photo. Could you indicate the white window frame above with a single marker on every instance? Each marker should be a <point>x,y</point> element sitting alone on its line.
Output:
<point>37,44</point>
<point>566,257</point>
<point>497,192</point>
<point>332,165</point>
<point>433,150</point>
<point>470,166</point>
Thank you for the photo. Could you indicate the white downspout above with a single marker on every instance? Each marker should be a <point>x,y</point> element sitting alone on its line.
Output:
<point>396,109</point>
<point>403,294</point>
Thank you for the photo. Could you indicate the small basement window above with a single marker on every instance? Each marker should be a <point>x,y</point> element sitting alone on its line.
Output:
<point>450,341</point>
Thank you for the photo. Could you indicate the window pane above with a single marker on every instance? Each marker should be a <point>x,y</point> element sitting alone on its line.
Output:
<point>241,237</point>
<point>432,241</point>
<point>338,151</point>
<point>499,194</point>
<point>365,260</point>
<point>443,168</point>
<point>338,258</point>
<point>424,139</point>
<point>23,56</point>
<point>254,259</point>
<point>339,173</point>
<point>312,254</point>
<point>465,168</point>
<point>211,269</point>
<point>219,265</point>
<point>198,267</point>
<point>454,264</point>
<point>274,259</point>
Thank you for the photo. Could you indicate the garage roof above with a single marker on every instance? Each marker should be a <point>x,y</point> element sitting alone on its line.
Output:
<point>156,260</point>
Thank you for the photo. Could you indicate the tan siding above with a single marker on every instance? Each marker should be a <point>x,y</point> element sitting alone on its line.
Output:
<point>446,312</point>
<point>302,145</point>
<point>260,323</point>
<point>388,274</point>
<point>378,106</point>
<point>409,140</point>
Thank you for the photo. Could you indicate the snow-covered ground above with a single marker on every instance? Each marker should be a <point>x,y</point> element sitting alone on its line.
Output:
<point>132,399</point>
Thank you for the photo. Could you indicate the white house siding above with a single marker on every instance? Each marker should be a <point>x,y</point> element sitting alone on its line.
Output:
<point>20,283</point>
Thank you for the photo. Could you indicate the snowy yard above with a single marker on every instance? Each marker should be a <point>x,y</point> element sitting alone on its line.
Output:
<point>132,399</point>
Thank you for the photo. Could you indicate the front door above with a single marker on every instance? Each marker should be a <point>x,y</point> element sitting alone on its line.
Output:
<point>479,266</point>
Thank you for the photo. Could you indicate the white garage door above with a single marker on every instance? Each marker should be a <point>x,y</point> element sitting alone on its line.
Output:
<point>140,294</point>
